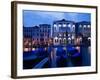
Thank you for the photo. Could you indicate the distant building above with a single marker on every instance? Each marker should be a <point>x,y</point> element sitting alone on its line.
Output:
<point>36,36</point>
<point>27,35</point>
<point>45,33</point>
<point>63,32</point>
<point>83,30</point>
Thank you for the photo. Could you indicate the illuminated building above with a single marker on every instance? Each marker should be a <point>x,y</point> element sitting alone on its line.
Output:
<point>63,32</point>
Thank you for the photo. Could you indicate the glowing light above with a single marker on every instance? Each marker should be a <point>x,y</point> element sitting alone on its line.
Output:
<point>64,25</point>
<point>78,48</point>
<point>59,34</point>
<point>73,26</point>
<point>33,49</point>
<point>69,25</point>
<point>69,38</point>
<point>56,38</point>
<point>26,49</point>
<point>59,25</point>
<point>64,38</point>
<point>55,25</point>
<point>73,37</point>
<point>88,26</point>
<point>68,35</point>
<point>89,38</point>
<point>64,48</point>
<point>80,26</point>
<point>29,43</point>
<point>80,39</point>
<point>84,26</point>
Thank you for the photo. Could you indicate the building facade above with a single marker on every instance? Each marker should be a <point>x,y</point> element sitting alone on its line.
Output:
<point>63,32</point>
<point>36,36</point>
<point>83,30</point>
<point>44,32</point>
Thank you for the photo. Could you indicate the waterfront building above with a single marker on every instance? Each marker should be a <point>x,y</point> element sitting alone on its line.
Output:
<point>63,32</point>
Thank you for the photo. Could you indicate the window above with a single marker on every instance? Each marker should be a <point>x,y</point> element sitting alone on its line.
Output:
<point>59,34</point>
<point>80,26</point>
<point>84,26</point>
<point>72,36</point>
<point>69,38</point>
<point>64,34</point>
<point>73,27</point>
<point>69,25</point>
<point>55,39</point>
<point>64,40</point>
<point>88,26</point>
<point>89,38</point>
<point>68,35</point>
<point>64,25</point>
<point>55,25</point>
<point>59,25</point>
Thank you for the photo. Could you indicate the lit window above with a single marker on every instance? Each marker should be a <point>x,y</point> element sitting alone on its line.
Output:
<point>69,25</point>
<point>64,34</point>
<point>55,25</point>
<point>64,25</point>
<point>72,36</point>
<point>73,26</point>
<point>84,26</point>
<point>26,49</point>
<point>56,38</point>
<point>80,38</point>
<point>69,38</point>
<point>59,25</point>
<point>88,26</point>
<point>89,38</point>
<point>80,26</point>
<point>68,35</point>
<point>59,34</point>
<point>33,49</point>
<point>64,40</point>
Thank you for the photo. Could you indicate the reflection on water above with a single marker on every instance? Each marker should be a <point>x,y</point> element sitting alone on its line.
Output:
<point>57,56</point>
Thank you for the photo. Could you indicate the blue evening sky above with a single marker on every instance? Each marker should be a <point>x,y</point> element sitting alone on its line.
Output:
<point>32,18</point>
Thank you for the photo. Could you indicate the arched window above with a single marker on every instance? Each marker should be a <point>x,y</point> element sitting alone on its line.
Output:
<point>80,26</point>
<point>59,25</point>
<point>55,27</point>
<point>64,25</point>
<point>73,27</point>
<point>88,26</point>
<point>60,41</point>
<point>64,40</point>
<point>55,39</point>
<point>69,25</point>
